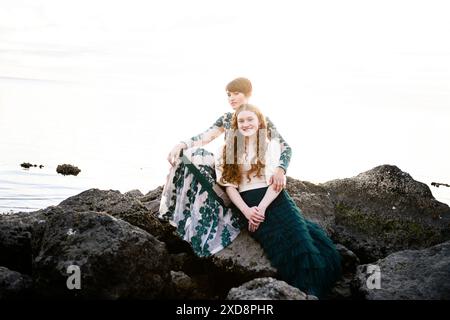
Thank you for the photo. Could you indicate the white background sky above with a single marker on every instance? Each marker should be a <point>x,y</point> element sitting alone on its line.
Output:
<point>350,84</point>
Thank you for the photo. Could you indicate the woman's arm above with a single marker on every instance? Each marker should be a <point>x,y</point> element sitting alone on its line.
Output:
<point>286,151</point>
<point>278,179</point>
<point>271,194</point>
<point>199,140</point>
<point>252,214</point>
<point>207,136</point>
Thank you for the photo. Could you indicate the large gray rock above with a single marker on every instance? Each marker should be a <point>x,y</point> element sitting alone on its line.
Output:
<point>116,260</point>
<point>15,237</point>
<point>410,275</point>
<point>385,210</point>
<point>14,285</point>
<point>124,206</point>
<point>127,207</point>
<point>267,289</point>
<point>244,257</point>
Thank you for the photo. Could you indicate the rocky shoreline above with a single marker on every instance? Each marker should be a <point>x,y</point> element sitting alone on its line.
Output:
<point>381,217</point>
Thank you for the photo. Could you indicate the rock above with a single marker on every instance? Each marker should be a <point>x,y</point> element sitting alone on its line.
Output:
<point>183,284</point>
<point>410,275</point>
<point>27,165</point>
<point>267,289</point>
<point>111,201</point>
<point>314,201</point>
<point>153,195</point>
<point>186,287</point>
<point>244,256</point>
<point>152,200</point>
<point>67,169</point>
<point>349,260</point>
<point>15,240</point>
<point>115,259</point>
<point>152,206</point>
<point>242,261</point>
<point>14,285</point>
<point>134,193</point>
<point>385,210</point>
<point>343,289</point>
<point>128,208</point>
<point>187,262</point>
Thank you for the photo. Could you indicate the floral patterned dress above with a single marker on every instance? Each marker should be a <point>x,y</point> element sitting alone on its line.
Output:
<point>191,201</point>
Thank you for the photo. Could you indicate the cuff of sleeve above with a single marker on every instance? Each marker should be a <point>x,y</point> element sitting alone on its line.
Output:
<point>224,183</point>
<point>283,167</point>
<point>187,143</point>
<point>227,185</point>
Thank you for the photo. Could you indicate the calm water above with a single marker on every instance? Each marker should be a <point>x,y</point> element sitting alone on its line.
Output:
<point>34,188</point>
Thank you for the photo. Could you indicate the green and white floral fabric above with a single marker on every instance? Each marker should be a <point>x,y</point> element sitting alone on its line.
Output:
<point>189,203</point>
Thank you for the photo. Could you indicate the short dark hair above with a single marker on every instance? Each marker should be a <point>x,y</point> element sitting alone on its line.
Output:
<point>240,85</point>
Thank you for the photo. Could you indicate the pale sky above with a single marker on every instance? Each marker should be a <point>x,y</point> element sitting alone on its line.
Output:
<point>349,84</point>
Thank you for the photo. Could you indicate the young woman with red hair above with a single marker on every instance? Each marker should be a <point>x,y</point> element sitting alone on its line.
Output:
<point>303,254</point>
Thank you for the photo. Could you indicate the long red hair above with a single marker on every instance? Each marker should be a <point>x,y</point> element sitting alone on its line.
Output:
<point>235,150</point>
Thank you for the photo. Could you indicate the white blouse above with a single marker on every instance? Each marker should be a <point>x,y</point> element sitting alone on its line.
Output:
<point>272,158</point>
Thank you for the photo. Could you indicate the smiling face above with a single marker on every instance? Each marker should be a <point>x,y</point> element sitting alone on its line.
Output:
<point>235,99</point>
<point>248,123</point>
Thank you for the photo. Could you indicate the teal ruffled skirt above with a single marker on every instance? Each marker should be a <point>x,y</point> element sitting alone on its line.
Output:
<point>303,254</point>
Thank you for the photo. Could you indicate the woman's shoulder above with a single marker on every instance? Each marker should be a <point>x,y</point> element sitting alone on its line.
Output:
<point>228,116</point>
<point>224,119</point>
<point>269,123</point>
